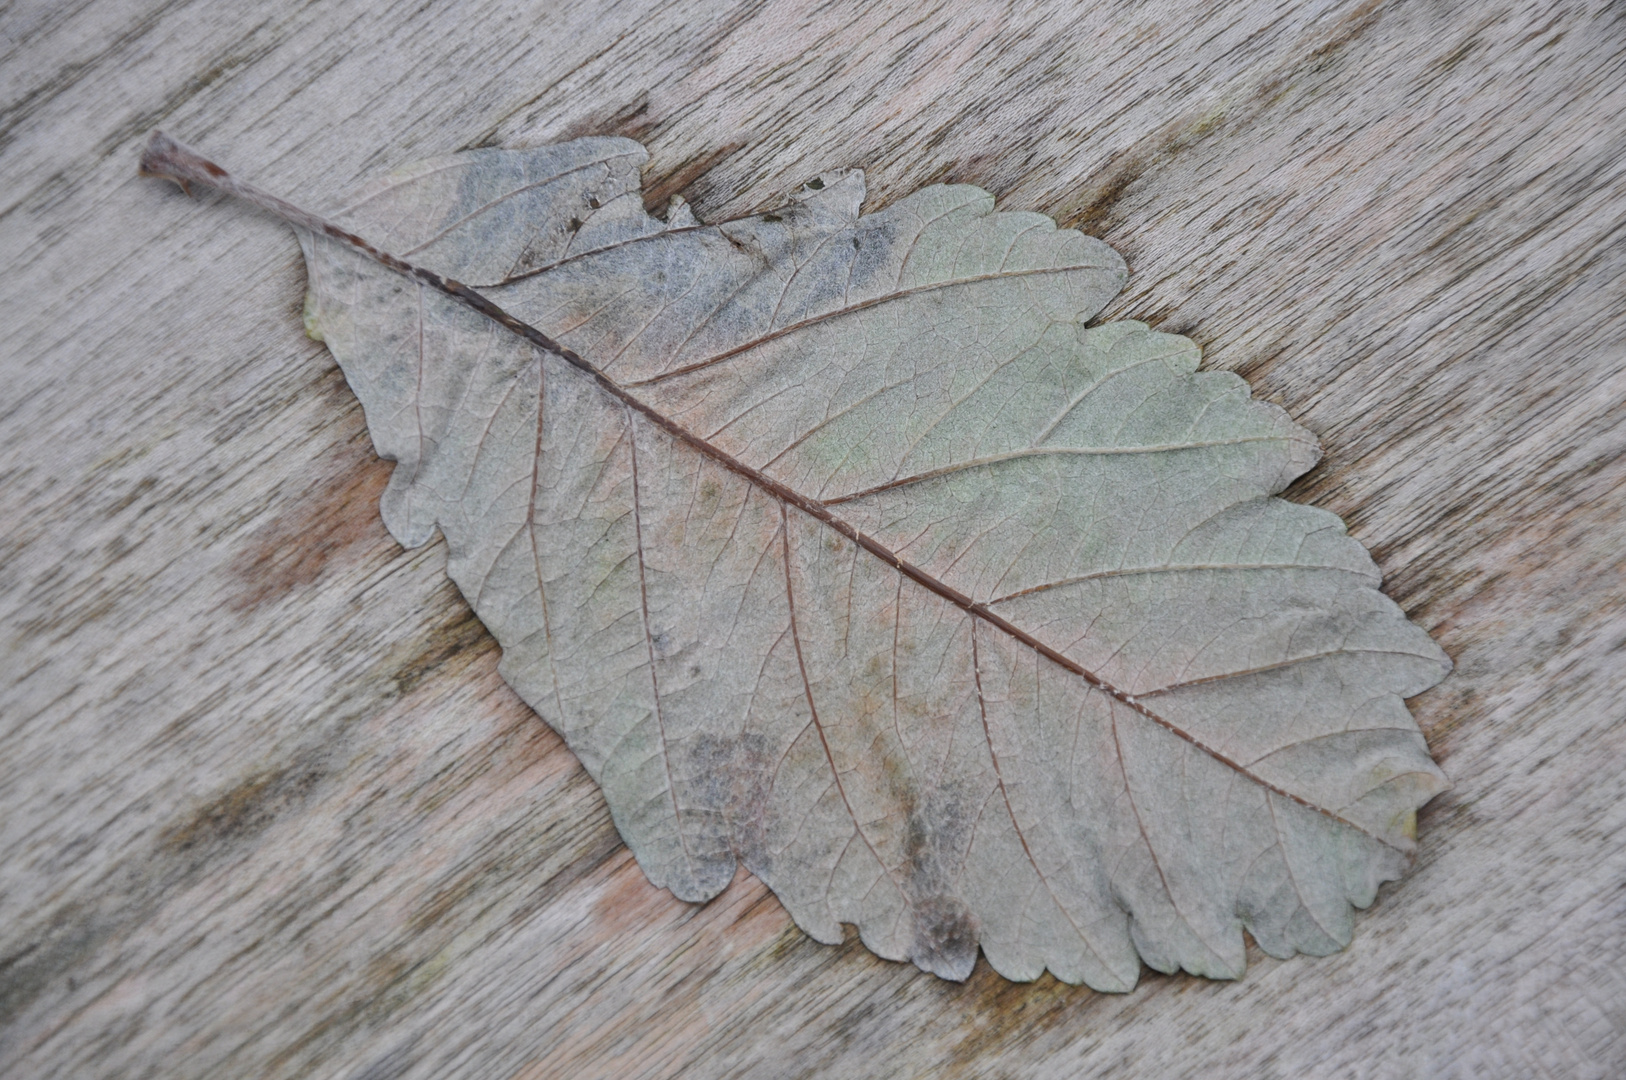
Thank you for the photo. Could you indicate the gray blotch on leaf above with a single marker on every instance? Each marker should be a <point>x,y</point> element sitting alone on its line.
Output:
<point>749,686</point>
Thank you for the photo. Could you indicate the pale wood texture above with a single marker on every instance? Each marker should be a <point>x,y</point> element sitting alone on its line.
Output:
<point>266,808</point>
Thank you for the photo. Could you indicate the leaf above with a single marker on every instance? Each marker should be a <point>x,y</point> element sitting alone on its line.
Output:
<point>838,546</point>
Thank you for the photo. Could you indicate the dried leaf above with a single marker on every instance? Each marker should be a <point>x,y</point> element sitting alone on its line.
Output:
<point>850,554</point>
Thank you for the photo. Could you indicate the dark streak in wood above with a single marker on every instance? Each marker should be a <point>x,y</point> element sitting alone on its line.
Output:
<point>337,520</point>
<point>658,190</point>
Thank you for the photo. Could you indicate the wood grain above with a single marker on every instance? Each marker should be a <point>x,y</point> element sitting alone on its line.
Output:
<point>266,808</point>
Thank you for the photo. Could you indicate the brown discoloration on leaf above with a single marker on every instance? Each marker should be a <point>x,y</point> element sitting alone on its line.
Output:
<point>335,522</point>
<point>945,935</point>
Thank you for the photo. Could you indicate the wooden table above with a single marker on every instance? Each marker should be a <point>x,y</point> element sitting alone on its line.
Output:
<point>266,807</point>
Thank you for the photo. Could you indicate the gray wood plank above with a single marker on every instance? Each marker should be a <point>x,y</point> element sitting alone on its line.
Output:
<point>266,808</point>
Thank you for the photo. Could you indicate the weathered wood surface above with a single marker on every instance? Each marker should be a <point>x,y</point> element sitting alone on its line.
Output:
<point>266,808</point>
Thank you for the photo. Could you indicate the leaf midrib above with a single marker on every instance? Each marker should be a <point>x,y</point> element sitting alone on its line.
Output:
<point>817,510</point>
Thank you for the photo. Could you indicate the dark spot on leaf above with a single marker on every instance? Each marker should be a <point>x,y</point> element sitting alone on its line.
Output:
<point>945,937</point>
<point>732,781</point>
